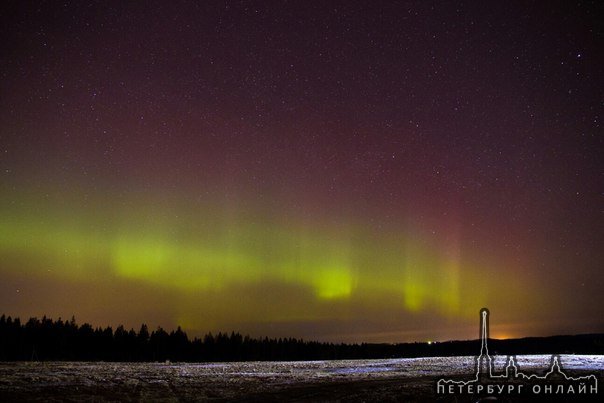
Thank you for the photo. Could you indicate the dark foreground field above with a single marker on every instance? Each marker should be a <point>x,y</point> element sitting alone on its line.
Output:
<point>354,380</point>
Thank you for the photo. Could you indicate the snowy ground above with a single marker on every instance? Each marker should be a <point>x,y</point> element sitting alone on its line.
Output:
<point>354,380</point>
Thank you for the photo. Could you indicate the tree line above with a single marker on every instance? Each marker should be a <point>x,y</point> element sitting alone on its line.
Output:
<point>46,339</point>
<point>57,340</point>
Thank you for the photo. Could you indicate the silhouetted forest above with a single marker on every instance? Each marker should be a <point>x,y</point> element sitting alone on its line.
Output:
<point>45,339</point>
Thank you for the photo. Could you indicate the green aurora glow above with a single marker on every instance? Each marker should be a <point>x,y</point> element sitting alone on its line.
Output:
<point>207,249</point>
<point>366,171</point>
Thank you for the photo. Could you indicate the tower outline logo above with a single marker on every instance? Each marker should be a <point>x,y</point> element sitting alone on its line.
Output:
<point>513,380</point>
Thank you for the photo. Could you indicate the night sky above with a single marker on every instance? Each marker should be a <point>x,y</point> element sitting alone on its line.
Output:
<point>344,171</point>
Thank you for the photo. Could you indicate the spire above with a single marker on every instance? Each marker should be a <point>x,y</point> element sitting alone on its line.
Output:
<point>484,315</point>
<point>483,361</point>
<point>555,365</point>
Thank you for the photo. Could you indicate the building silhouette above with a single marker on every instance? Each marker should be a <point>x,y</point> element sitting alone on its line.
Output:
<point>486,375</point>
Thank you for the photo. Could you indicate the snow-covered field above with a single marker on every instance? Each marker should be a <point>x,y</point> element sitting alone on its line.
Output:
<point>348,380</point>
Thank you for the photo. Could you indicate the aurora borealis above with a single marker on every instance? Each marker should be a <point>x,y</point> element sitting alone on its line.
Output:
<point>346,171</point>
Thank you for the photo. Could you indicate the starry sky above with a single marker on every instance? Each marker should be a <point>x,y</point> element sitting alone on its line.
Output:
<point>335,170</point>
